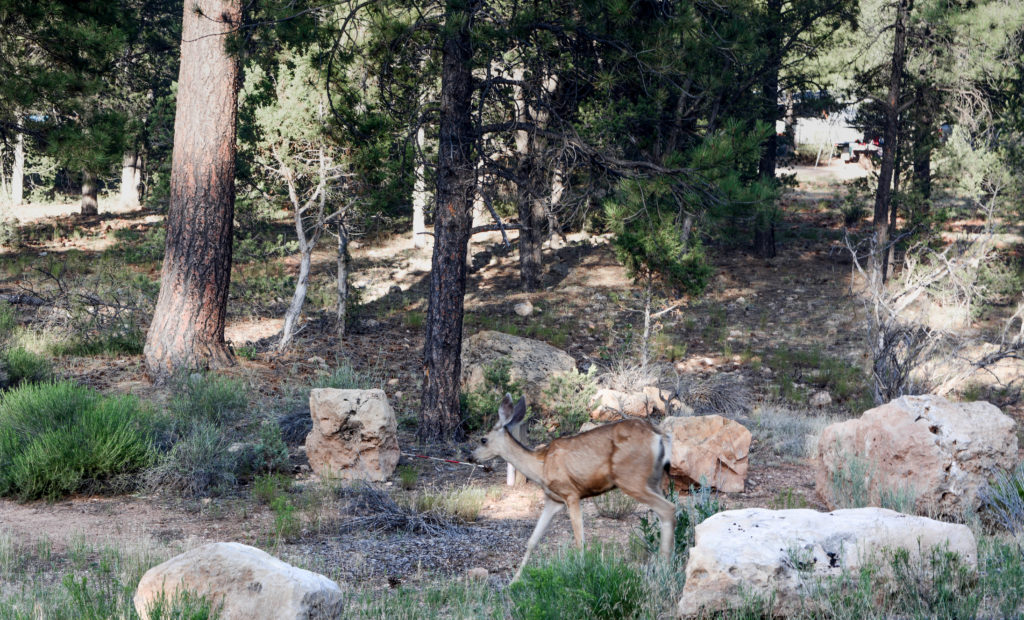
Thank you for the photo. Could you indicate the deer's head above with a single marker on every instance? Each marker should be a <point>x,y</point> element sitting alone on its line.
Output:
<point>496,442</point>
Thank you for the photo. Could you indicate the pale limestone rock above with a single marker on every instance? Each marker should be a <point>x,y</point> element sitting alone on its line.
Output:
<point>247,583</point>
<point>533,363</point>
<point>755,552</point>
<point>709,447</point>
<point>523,308</point>
<point>820,399</point>
<point>939,451</point>
<point>354,434</point>
<point>611,404</point>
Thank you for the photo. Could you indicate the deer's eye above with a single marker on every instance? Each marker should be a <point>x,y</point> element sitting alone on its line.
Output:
<point>483,441</point>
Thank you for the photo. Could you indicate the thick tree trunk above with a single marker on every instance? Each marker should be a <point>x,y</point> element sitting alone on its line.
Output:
<point>764,227</point>
<point>531,201</point>
<point>18,172</point>
<point>90,206</point>
<point>439,416</point>
<point>131,180</point>
<point>877,263</point>
<point>187,331</point>
<point>420,196</point>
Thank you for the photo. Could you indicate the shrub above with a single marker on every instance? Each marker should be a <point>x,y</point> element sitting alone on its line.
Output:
<point>198,464</point>
<point>408,476</point>
<point>615,504</point>
<point>1003,499</point>
<point>24,366</point>
<point>592,583</point>
<point>345,377</point>
<point>480,407</point>
<point>61,438</point>
<point>210,397</point>
<point>266,487</point>
<point>8,321</point>
<point>463,503</point>
<point>568,397</point>
<point>700,505</point>
<point>788,434</point>
<point>107,344</point>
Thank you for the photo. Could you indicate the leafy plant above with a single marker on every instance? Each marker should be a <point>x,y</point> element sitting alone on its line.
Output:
<point>267,487</point>
<point>24,366</point>
<point>408,476</point>
<point>61,438</point>
<point>210,397</point>
<point>592,583</point>
<point>568,397</point>
<point>197,465</point>
<point>1003,499</point>
<point>480,406</point>
<point>615,504</point>
<point>700,505</point>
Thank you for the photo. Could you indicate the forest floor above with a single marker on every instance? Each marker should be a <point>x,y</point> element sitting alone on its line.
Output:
<point>764,325</point>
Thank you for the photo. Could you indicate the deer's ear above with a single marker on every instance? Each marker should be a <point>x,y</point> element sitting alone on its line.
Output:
<point>505,410</point>
<point>519,412</point>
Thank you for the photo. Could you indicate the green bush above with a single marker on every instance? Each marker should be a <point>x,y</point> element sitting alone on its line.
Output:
<point>210,397</point>
<point>701,504</point>
<point>7,320</point>
<point>568,397</point>
<point>24,366</point>
<point>60,438</point>
<point>106,344</point>
<point>480,406</point>
<point>199,464</point>
<point>592,583</point>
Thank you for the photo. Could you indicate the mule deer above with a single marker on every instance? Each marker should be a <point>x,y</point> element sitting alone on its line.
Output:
<point>630,455</point>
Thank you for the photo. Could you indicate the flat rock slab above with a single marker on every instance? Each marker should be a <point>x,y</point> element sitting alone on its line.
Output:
<point>247,584</point>
<point>756,552</point>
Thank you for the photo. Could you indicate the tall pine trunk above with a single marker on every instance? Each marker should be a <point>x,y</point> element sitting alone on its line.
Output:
<point>131,179</point>
<point>877,263</point>
<point>456,185</point>
<point>18,172</point>
<point>187,331</point>
<point>90,206</point>
<point>764,226</point>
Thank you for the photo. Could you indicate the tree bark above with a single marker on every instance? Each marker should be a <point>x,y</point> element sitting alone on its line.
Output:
<point>89,204</point>
<point>131,179</point>
<point>456,186</point>
<point>419,195</point>
<point>877,263</point>
<point>764,227</point>
<point>187,331</point>
<point>18,172</point>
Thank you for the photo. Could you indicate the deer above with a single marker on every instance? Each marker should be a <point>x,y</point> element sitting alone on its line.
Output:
<point>631,455</point>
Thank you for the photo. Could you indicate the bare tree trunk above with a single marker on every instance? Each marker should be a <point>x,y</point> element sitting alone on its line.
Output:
<point>187,331</point>
<point>883,196</point>
<point>419,195</point>
<point>531,201</point>
<point>342,314</point>
<point>456,186</point>
<point>18,172</point>
<point>764,226</point>
<point>89,204</point>
<point>131,179</point>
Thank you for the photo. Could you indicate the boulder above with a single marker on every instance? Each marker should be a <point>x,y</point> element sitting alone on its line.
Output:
<point>523,308</point>
<point>756,552</point>
<point>532,363</point>
<point>709,447</point>
<point>611,404</point>
<point>820,399</point>
<point>245,582</point>
<point>354,434</point>
<point>937,451</point>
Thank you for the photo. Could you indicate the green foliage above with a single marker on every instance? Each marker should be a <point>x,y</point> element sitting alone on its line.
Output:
<point>8,320</point>
<point>345,377</point>
<point>700,505</point>
<point>462,503</point>
<point>140,247</point>
<point>209,397</point>
<point>480,406</point>
<point>615,504</point>
<point>199,463</point>
<point>592,583</point>
<point>408,476</point>
<point>104,344</point>
<point>844,380</point>
<point>60,438</point>
<point>287,524</point>
<point>1003,499</point>
<point>568,397</point>
<point>24,366</point>
<point>267,487</point>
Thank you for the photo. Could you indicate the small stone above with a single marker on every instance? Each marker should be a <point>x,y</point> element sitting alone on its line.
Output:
<point>393,381</point>
<point>399,394</point>
<point>477,573</point>
<point>523,308</point>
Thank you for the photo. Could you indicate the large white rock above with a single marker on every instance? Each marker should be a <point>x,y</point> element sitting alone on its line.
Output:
<point>354,436</point>
<point>941,451</point>
<point>532,363</point>
<point>758,552</point>
<point>711,448</point>
<point>247,583</point>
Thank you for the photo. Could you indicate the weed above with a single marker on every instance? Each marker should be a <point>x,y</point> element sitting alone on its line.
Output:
<point>700,505</point>
<point>448,599</point>
<point>247,353</point>
<point>463,503</point>
<point>413,319</point>
<point>104,344</point>
<point>790,435</point>
<point>615,505</point>
<point>843,380</point>
<point>61,438</point>
<point>568,397</point>
<point>199,464</point>
<point>286,523</point>
<point>592,583</point>
<point>24,366</point>
<point>480,406</point>
<point>408,476</point>
<point>788,499</point>
<point>850,483</point>
<point>8,321</point>
<point>345,377</point>
<point>267,487</point>
<point>210,397</point>
<point>1003,499</point>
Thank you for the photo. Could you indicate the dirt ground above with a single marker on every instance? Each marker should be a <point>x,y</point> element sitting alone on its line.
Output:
<point>801,299</point>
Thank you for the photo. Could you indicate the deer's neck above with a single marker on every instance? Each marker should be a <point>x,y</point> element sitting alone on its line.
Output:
<point>530,462</point>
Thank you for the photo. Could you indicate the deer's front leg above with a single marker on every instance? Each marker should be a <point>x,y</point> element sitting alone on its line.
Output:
<point>576,518</point>
<point>551,508</point>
